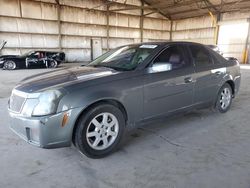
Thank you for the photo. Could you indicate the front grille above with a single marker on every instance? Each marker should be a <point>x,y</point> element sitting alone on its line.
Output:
<point>16,102</point>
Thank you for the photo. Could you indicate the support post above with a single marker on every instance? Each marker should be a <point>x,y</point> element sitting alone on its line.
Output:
<point>21,15</point>
<point>171,31</point>
<point>107,26</point>
<point>217,29</point>
<point>141,20</point>
<point>59,24</point>
<point>20,8</point>
<point>246,50</point>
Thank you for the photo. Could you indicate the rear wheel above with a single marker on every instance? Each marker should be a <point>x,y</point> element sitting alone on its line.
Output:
<point>99,132</point>
<point>9,65</point>
<point>224,98</point>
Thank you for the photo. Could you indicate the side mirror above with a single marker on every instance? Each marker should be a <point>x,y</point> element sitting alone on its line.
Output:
<point>160,67</point>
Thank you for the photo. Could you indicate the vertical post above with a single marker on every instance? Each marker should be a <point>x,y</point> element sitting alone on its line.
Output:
<point>141,20</point>
<point>59,24</point>
<point>217,29</point>
<point>107,25</point>
<point>20,8</point>
<point>246,51</point>
<point>21,15</point>
<point>171,30</point>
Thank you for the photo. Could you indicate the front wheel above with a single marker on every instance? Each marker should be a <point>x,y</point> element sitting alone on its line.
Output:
<point>53,64</point>
<point>9,65</point>
<point>99,132</point>
<point>224,98</point>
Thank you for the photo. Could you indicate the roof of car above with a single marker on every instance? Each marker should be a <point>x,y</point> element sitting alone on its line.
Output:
<point>166,42</point>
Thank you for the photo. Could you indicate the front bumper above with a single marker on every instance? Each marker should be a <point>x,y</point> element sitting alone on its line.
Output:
<point>46,131</point>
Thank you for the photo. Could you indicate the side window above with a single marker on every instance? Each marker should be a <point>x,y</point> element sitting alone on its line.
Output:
<point>217,58</point>
<point>33,55</point>
<point>170,59</point>
<point>201,56</point>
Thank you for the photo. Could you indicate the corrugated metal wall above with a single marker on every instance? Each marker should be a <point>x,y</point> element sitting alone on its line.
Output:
<point>27,25</point>
<point>30,24</point>
<point>233,34</point>
<point>199,29</point>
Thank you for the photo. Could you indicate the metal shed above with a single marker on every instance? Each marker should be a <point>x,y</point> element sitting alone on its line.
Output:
<point>70,25</point>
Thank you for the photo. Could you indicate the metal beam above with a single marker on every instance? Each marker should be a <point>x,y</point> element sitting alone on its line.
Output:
<point>59,24</point>
<point>246,51</point>
<point>171,30</point>
<point>211,5</point>
<point>107,26</point>
<point>158,11</point>
<point>149,13</point>
<point>217,28</point>
<point>131,8</point>
<point>20,8</point>
<point>215,7</point>
<point>141,20</point>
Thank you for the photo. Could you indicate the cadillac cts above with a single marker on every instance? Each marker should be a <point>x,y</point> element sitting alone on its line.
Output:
<point>92,106</point>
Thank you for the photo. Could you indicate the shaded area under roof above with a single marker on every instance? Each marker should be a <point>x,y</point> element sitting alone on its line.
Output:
<point>179,9</point>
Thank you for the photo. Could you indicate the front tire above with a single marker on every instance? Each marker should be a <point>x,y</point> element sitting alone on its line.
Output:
<point>224,99</point>
<point>99,132</point>
<point>9,65</point>
<point>53,64</point>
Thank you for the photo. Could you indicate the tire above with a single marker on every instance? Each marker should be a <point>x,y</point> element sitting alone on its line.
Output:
<point>9,65</point>
<point>53,64</point>
<point>99,132</point>
<point>224,98</point>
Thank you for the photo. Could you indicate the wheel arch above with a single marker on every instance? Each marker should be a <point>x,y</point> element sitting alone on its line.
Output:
<point>232,84</point>
<point>114,102</point>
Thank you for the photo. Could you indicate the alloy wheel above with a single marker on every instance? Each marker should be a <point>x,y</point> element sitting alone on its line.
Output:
<point>9,65</point>
<point>102,131</point>
<point>225,98</point>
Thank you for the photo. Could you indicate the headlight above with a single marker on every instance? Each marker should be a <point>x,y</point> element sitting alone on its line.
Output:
<point>48,103</point>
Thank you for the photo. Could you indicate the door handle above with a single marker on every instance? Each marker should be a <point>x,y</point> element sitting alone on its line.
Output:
<point>188,79</point>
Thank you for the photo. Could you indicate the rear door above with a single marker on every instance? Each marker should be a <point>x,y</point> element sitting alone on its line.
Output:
<point>206,76</point>
<point>168,84</point>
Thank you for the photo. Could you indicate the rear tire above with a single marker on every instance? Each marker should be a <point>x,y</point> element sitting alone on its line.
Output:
<point>99,132</point>
<point>224,98</point>
<point>9,65</point>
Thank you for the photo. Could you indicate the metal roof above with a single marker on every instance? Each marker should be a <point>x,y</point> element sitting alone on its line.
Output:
<point>179,9</point>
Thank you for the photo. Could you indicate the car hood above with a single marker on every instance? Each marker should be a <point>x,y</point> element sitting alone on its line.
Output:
<point>62,77</point>
<point>9,56</point>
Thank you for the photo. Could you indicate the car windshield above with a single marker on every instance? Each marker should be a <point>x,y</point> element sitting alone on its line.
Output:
<point>125,58</point>
<point>27,53</point>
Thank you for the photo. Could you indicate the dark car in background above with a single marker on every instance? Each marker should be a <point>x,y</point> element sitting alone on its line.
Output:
<point>33,59</point>
<point>92,106</point>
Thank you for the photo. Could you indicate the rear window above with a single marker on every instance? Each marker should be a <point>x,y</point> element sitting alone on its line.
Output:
<point>201,56</point>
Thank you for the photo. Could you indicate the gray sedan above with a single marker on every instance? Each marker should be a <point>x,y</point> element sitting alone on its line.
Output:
<point>92,106</point>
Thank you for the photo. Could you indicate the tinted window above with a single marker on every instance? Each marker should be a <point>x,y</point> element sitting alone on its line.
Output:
<point>201,56</point>
<point>124,58</point>
<point>172,58</point>
<point>217,58</point>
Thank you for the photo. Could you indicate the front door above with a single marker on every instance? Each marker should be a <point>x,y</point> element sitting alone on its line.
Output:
<point>168,82</point>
